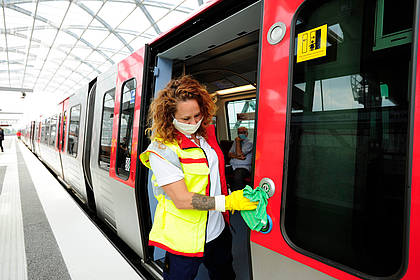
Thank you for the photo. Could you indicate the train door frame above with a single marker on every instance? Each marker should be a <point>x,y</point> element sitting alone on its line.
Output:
<point>127,71</point>
<point>209,17</point>
<point>142,194</point>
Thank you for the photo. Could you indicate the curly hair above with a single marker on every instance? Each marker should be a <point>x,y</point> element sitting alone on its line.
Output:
<point>163,108</point>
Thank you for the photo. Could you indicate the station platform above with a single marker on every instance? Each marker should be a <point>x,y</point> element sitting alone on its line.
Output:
<point>44,234</point>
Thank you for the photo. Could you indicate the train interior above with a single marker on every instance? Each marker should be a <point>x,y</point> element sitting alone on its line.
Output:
<point>224,58</point>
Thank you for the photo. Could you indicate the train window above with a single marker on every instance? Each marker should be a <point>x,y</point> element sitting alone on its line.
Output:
<point>74,123</point>
<point>345,179</point>
<point>53,130</point>
<point>127,100</point>
<point>241,113</point>
<point>106,129</point>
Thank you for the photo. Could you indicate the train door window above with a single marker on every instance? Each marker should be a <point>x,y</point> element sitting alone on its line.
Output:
<point>127,100</point>
<point>73,137</point>
<point>47,131</point>
<point>53,131</point>
<point>346,157</point>
<point>40,125</point>
<point>63,131</point>
<point>36,131</point>
<point>241,113</point>
<point>43,126</point>
<point>106,129</point>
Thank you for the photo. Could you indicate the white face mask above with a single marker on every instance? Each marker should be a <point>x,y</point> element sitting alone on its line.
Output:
<point>186,128</point>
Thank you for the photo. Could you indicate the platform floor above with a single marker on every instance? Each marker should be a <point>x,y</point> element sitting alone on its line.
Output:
<point>43,232</point>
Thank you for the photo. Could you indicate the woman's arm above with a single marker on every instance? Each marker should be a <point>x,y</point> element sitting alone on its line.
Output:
<point>183,199</point>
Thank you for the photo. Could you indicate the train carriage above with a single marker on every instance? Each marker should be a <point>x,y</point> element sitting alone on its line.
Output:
<point>328,91</point>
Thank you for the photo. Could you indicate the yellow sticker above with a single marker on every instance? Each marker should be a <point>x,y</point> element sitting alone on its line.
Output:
<point>312,44</point>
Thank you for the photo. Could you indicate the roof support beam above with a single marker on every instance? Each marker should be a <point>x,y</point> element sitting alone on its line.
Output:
<point>16,89</point>
<point>29,43</point>
<point>5,37</point>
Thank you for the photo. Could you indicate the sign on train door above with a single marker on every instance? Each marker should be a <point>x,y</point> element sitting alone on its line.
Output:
<point>334,101</point>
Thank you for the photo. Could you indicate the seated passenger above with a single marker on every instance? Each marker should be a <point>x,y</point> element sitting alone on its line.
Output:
<point>241,157</point>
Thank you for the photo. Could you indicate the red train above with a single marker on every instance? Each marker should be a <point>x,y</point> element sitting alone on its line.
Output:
<point>328,90</point>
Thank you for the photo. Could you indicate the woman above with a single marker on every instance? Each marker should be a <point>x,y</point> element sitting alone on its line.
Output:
<point>189,183</point>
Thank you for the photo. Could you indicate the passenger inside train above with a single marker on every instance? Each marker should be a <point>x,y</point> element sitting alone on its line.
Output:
<point>240,155</point>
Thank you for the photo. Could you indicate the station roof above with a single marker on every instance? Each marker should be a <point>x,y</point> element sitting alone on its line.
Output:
<point>52,47</point>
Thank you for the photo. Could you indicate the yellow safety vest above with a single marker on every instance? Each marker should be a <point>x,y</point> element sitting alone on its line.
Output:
<point>182,232</point>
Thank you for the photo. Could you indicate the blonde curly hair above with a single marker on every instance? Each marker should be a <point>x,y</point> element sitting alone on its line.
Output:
<point>163,108</point>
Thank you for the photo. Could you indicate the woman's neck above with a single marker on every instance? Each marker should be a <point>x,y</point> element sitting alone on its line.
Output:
<point>195,139</point>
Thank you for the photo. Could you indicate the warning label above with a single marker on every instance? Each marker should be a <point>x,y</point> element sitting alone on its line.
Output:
<point>312,44</point>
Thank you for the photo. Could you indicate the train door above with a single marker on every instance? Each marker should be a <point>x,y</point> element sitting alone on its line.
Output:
<point>87,143</point>
<point>32,136</point>
<point>62,128</point>
<point>100,151</point>
<point>36,133</point>
<point>72,141</point>
<point>333,139</point>
<point>123,161</point>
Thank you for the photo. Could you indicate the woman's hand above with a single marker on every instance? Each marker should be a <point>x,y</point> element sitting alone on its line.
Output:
<point>237,201</point>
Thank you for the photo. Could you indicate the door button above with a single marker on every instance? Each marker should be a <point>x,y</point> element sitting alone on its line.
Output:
<point>276,33</point>
<point>268,186</point>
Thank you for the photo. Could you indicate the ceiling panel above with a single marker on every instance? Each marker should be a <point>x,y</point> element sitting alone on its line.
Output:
<point>53,11</point>
<point>113,19</point>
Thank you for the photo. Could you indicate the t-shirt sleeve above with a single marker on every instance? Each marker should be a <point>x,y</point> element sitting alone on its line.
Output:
<point>247,148</point>
<point>164,171</point>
